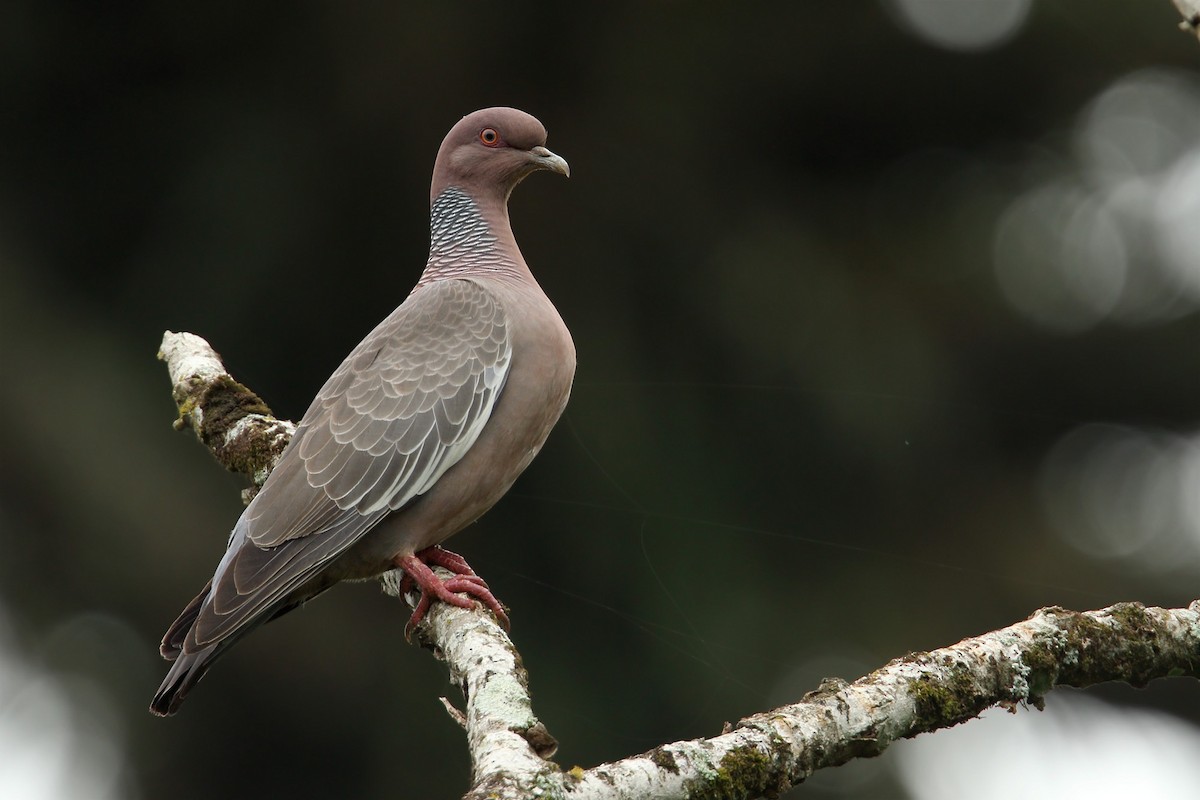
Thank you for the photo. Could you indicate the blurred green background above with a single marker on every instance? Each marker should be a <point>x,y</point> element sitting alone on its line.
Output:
<point>887,325</point>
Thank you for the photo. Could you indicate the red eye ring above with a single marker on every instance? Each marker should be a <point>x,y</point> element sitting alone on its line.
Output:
<point>489,137</point>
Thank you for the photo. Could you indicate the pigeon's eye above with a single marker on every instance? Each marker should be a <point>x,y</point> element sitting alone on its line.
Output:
<point>489,137</point>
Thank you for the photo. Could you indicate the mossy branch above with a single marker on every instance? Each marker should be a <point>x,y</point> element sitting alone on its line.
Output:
<point>763,754</point>
<point>233,422</point>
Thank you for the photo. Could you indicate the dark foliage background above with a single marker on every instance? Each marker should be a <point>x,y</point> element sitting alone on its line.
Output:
<point>882,344</point>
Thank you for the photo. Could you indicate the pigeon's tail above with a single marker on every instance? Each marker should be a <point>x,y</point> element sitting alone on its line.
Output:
<point>191,664</point>
<point>172,642</point>
<point>187,669</point>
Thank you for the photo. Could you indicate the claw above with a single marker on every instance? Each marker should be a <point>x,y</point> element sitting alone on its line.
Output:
<point>417,573</point>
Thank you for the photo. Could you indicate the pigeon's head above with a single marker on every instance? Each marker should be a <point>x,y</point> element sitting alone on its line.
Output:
<point>491,151</point>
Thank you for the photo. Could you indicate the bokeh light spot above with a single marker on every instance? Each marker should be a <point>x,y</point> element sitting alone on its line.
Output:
<point>1060,258</point>
<point>1113,235</point>
<point>1121,493</point>
<point>1078,747</point>
<point>1139,126</point>
<point>963,25</point>
<point>56,733</point>
<point>1177,223</point>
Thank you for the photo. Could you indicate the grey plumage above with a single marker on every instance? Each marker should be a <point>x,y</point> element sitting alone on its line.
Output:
<point>420,430</point>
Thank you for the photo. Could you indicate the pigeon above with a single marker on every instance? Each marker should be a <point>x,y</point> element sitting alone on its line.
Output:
<point>423,427</point>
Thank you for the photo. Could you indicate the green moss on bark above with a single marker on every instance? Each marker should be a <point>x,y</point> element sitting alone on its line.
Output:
<point>742,772</point>
<point>225,403</point>
<point>939,701</point>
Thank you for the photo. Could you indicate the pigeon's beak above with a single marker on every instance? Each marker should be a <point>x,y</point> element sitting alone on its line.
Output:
<point>544,159</point>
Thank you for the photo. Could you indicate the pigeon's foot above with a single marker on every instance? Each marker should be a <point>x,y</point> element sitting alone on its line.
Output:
<point>417,572</point>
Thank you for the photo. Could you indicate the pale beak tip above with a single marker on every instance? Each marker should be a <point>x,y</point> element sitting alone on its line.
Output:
<point>552,162</point>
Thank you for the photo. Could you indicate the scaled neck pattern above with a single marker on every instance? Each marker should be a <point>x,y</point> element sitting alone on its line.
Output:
<point>460,240</point>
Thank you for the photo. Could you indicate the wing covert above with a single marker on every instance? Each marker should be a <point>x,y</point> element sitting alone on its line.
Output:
<point>403,408</point>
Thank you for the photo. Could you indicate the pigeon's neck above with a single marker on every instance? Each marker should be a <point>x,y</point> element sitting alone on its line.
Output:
<point>466,240</point>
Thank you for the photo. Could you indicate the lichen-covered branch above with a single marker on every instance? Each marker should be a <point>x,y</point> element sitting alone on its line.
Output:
<point>229,419</point>
<point>1190,9</point>
<point>509,746</point>
<point>763,754</point>
<point>769,752</point>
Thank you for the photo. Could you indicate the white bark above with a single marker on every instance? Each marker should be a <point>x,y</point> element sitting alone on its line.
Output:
<point>1190,9</point>
<point>763,754</point>
<point>504,736</point>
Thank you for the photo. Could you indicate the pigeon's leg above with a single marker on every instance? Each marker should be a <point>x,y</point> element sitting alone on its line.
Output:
<point>438,557</point>
<point>417,572</point>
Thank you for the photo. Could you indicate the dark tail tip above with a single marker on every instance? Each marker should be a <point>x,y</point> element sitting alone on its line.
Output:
<point>160,709</point>
<point>183,675</point>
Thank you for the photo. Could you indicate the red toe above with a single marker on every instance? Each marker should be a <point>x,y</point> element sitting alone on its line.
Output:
<point>465,581</point>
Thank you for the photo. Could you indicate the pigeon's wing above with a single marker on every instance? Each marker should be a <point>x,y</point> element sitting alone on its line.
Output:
<point>403,408</point>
